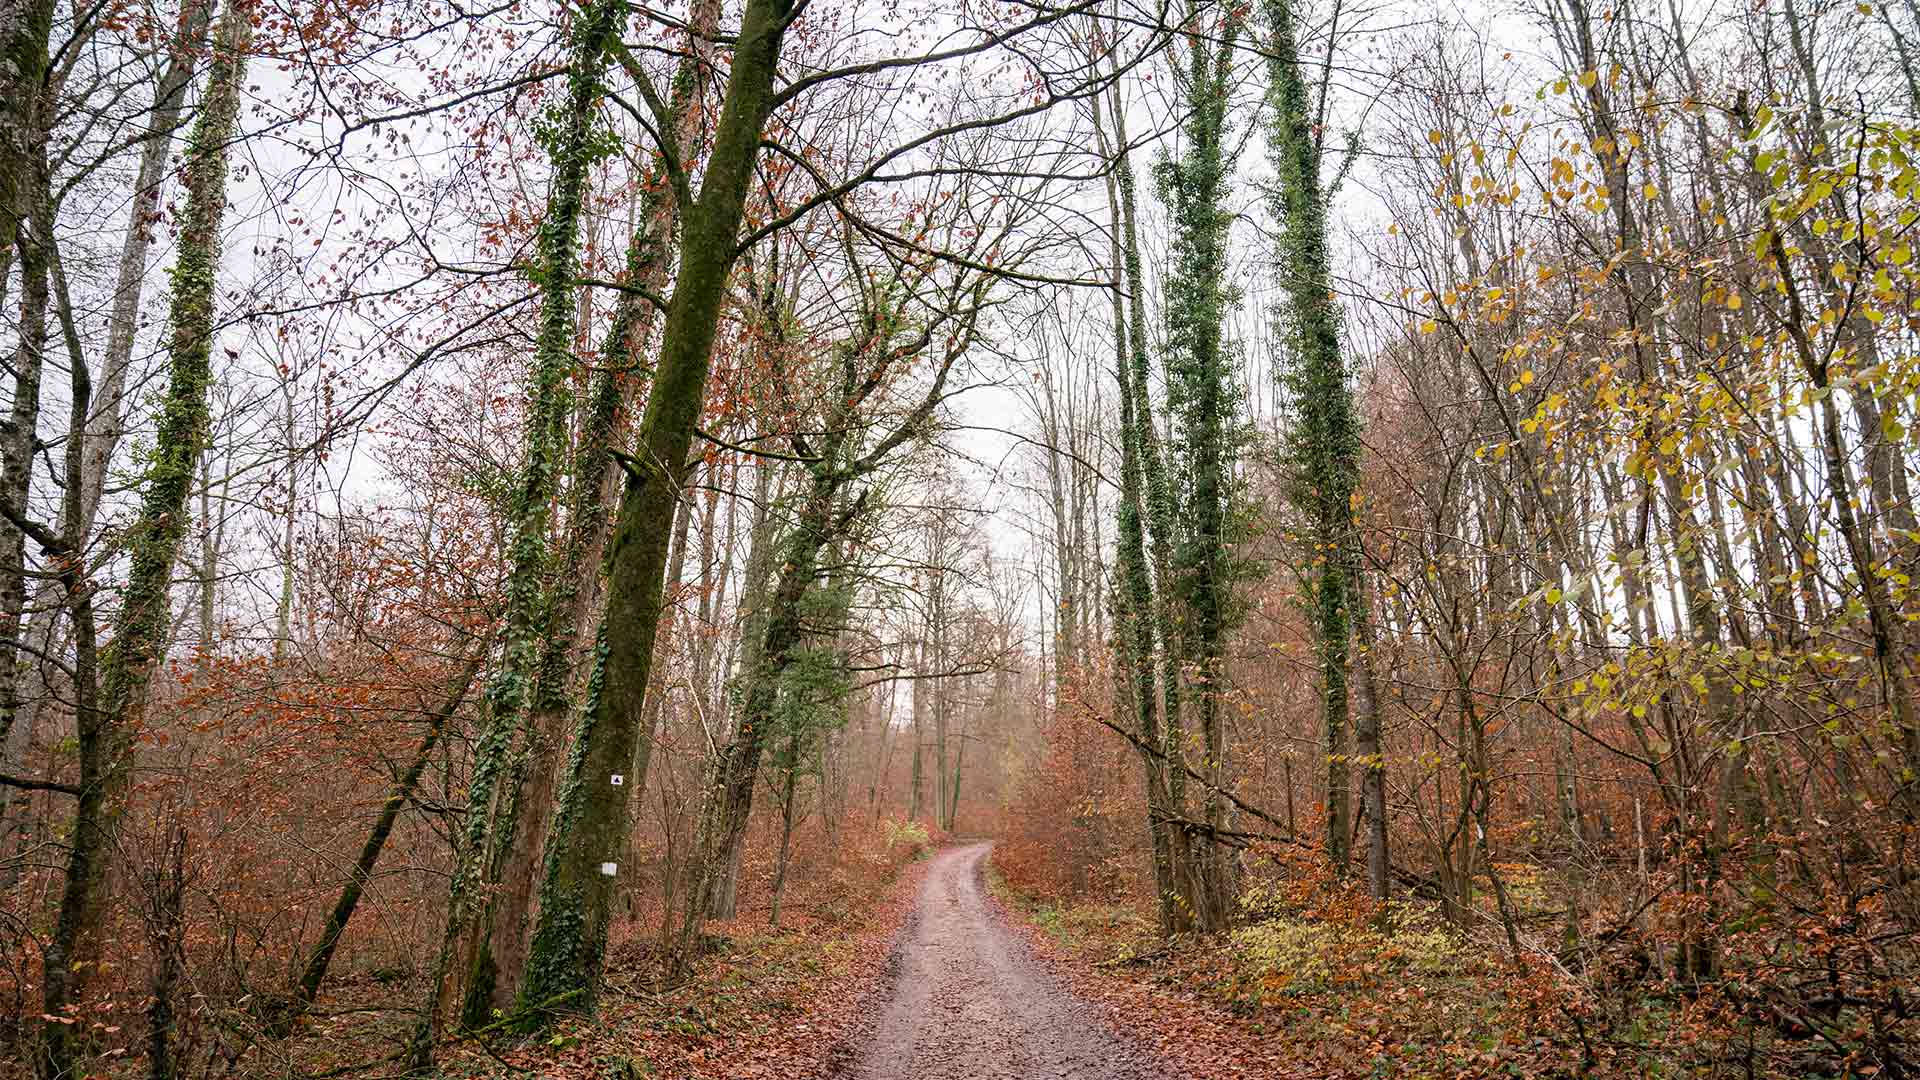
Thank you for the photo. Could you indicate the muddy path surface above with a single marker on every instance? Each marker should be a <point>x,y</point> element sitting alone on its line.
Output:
<point>969,1002</point>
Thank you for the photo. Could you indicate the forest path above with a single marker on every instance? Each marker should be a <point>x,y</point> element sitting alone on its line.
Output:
<point>970,1002</point>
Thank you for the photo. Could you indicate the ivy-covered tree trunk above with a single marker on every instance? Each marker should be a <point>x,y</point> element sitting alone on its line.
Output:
<point>505,744</point>
<point>1160,501</point>
<point>1159,510</point>
<point>24,183</point>
<point>1208,431</point>
<point>566,961</point>
<point>1133,600</point>
<point>577,571</point>
<point>1323,447</point>
<point>815,712</point>
<point>108,731</point>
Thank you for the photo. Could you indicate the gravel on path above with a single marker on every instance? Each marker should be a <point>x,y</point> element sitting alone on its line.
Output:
<point>969,1002</point>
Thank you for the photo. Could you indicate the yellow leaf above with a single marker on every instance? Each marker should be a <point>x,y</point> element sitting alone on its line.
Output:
<point>1734,302</point>
<point>1526,377</point>
<point>1429,326</point>
<point>1588,78</point>
<point>1436,136</point>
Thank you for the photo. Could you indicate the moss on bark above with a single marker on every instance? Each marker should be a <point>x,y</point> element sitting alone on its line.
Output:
<point>569,943</point>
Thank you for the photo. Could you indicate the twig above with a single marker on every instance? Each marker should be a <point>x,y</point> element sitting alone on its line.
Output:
<point>1236,838</point>
<point>27,784</point>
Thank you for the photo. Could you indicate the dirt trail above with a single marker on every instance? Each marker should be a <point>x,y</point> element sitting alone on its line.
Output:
<point>968,1001</point>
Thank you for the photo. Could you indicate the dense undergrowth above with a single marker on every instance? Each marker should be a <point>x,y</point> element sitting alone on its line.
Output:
<point>761,1000</point>
<point>1317,980</point>
<point>765,1002</point>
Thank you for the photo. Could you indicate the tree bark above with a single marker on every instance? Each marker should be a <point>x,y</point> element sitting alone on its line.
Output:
<point>1324,441</point>
<point>1133,604</point>
<point>21,708</point>
<point>1207,435</point>
<point>577,586</point>
<point>569,945</point>
<point>139,644</point>
<point>492,829</point>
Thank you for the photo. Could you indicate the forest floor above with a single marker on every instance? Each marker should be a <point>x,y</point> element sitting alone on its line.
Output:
<point>970,1000</point>
<point>1299,998</point>
<point>790,1002</point>
<point>933,980</point>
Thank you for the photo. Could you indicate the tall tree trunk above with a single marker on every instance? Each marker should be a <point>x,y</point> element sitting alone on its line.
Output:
<point>104,426</point>
<point>1198,371</point>
<point>1160,515</point>
<point>25,227</point>
<point>569,948</point>
<point>1133,602</point>
<point>1324,445</point>
<point>153,542</point>
<point>508,744</point>
<point>650,722</point>
<point>577,592</point>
